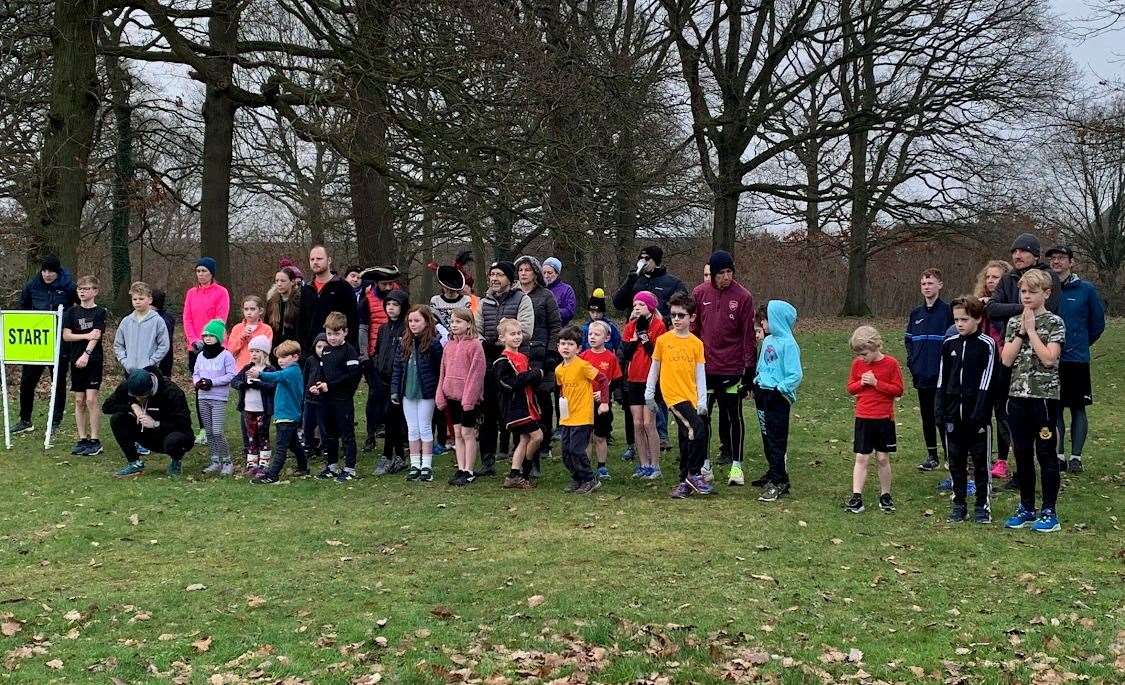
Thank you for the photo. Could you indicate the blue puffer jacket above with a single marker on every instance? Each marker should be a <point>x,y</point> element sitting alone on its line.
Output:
<point>39,296</point>
<point>1083,313</point>
<point>429,368</point>
<point>925,331</point>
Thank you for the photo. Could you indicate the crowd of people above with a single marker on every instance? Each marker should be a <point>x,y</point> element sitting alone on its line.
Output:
<point>504,375</point>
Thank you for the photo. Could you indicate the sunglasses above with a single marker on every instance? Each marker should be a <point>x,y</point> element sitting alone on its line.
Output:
<point>679,315</point>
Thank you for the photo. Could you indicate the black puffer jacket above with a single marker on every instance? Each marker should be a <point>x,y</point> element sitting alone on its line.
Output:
<point>658,282</point>
<point>1005,302</point>
<point>42,297</point>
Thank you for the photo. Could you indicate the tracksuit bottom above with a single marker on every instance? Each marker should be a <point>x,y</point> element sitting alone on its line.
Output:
<point>964,441</point>
<point>692,433</point>
<point>128,434</point>
<point>286,435</point>
<point>1033,422</point>
<point>339,430</point>
<point>574,440</point>
<point>773,420</point>
<point>724,391</point>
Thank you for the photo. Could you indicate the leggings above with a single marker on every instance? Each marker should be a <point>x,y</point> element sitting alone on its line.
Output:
<point>1079,429</point>
<point>256,431</point>
<point>723,390</point>
<point>1033,421</point>
<point>213,416</point>
<point>419,419</point>
<point>1000,409</point>
<point>191,356</point>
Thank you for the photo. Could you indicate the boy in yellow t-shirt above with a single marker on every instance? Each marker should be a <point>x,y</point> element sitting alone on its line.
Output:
<point>678,365</point>
<point>580,386</point>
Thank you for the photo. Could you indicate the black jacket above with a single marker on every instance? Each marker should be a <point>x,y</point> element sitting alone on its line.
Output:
<point>167,405</point>
<point>241,383</point>
<point>429,368</point>
<point>658,282</point>
<point>389,346</point>
<point>309,372</point>
<point>335,296</point>
<point>42,297</point>
<point>518,406</point>
<point>340,369</point>
<point>1005,302</point>
<point>966,380</point>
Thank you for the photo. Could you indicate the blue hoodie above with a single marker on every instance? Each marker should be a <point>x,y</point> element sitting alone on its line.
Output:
<point>1083,313</point>
<point>779,356</point>
<point>39,296</point>
<point>288,392</point>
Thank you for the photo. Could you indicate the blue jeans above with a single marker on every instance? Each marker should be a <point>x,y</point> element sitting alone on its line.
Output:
<point>286,436</point>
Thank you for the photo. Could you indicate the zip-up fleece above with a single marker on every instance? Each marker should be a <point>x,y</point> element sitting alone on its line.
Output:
<point>724,321</point>
<point>141,343</point>
<point>925,331</point>
<point>202,304</point>
<point>462,373</point>
<point>339,368</point>
<point>287,393</point>
<point>966,374</point>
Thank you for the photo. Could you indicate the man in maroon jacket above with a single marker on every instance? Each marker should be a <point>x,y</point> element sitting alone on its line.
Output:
<point>725,322</point>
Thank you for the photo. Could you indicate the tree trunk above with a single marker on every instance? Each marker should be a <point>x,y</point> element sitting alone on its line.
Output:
<point>627,206</point>
<point>727,193</point>
<point>218,141</point>
<point>503,234</point>
<point>855,297</point>
<point>69,137</point>
<point>120,266</point>
<point>376,241</point>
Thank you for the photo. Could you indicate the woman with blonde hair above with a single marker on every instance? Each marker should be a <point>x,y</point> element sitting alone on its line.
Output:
<point>987,279</point>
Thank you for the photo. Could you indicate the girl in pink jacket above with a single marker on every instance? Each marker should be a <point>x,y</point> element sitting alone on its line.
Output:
<point>460,389</point>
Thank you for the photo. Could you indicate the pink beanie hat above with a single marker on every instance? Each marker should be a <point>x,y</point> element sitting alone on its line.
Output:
<point>648,299</point>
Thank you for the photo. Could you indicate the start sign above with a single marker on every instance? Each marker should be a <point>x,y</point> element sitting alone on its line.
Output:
<point>29,337</point>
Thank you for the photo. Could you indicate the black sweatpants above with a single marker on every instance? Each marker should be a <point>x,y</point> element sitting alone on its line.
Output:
<point>491,426</point>
<point>378,398</point>
<point>963,442</point>
<point>394,431</point>
<point>691,429</point>
<point>723,391</point>
<point>286,439</point>
<point>926,398</point>
<point>339,430</point>
<point>574,440</point>
<point>29,380</point>
<point>773,420</point>
<point>1033,423</point>
<point>1000,410</point>
<point>128,434</point>
<point>546,420</point>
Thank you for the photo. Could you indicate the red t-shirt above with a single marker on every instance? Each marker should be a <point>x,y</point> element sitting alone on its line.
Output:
<point>319,285</point>
<point>636,368</point>
<point>876,401</point>
<point>605,362</point>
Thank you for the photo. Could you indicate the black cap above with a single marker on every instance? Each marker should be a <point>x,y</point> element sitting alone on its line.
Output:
<point>1060,249</point>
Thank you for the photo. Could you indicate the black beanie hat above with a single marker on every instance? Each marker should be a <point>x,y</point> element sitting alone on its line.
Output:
<point>508,268</point>
<point>1028,242</point>
<point>596,303</point>
<point>655,252</point>
<point>51,263</point>
<point>720,259</point>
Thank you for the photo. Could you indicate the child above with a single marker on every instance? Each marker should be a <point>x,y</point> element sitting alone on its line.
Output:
<point>255,403</point>
<point>987,281</point>
<point>141,341</point>
<point>288,390</point>
<point>639,338</point>
<point>414,385</point>
<point>165,364</point>
<point>312,422</point>
<point>579,384</point>
<point>335,385</point>
<point>925,331</point>
<point>83,326</point>
<point>214,370</point>
<point>776,380</point>
<point>460,389</point>
<point>964,405</point>
<point>595,307</point>
<point>387,346</point>
<point>1031,349</point>
<point>875,381</point>
<point>249,328</point>
<point>597,335</point>
<point>678,365</point>
<point>519,409</point>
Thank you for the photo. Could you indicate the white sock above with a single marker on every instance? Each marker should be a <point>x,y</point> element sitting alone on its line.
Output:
<point>427,461</point>
<point>737,462</point>
<point>415,461</point>
<point>707,464</point>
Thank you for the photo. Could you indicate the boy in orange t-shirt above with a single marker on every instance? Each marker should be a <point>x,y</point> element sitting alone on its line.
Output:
<point>579,383</point>
<point>598,333</point>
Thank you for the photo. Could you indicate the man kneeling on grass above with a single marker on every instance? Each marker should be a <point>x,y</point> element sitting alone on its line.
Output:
<point>151,411</point>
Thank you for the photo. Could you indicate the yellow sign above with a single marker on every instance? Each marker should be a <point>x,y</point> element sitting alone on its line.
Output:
<point>29,337</point>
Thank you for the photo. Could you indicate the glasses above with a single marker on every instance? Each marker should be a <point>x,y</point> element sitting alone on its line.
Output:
<point>679,315</point>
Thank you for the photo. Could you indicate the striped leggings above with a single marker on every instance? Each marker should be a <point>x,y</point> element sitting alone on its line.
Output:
<point>213,416</point>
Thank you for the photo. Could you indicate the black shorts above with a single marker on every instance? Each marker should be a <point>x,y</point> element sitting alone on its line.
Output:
<point>1074,385</point>
<point>874,435</point>
<point>603,423</point>
<point>634,394</point>
<point>87,378</point>
<point>460,416</point>
<point>525,428</point>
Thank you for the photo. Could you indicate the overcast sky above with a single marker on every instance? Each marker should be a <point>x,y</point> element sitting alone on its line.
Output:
<point>1101,57</point>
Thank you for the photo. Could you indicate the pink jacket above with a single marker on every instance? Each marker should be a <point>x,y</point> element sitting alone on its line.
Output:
<point>202,304</point>
<point>462,373</point>
<point>238,341</point>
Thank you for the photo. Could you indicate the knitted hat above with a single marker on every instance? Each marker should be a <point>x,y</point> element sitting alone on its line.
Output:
<point>508,268</point>
<point>216,328</point>
<point>648,299</point>
<point>596,303</point>
<point>655,252</point>
<point>554,263</point>
<point>1027,242</point>
<point>260,343</point>
<point>536,268</point>
<point>399,297</point>
<point>209,264</point>
<point>720,260</point>
<point>139,383</point>
<point>451,277</point>
<point>51,263</point>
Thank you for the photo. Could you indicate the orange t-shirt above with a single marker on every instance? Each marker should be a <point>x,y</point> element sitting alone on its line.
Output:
<point>678,359</point>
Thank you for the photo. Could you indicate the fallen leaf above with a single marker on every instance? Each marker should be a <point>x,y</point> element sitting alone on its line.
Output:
<point>441,611</point>
<point>134,520</point>
<point>763,577</point>
<point>422,633</point>
<point>196,587</point>
<point>202,645</point>
<point>855,656</point>
<point>335,543</point>
<point>535,600</point>
<point>254,601</point>
<point>10,627</point>
<point>381,641</point>
<point>837,541</point>
<point>73,615</point>
<point>918,671</point>
<point>55,664</point>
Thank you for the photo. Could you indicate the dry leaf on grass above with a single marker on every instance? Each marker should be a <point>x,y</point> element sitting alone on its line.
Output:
<point>203,644</point>
<point>441,611</point>
<point>254,601</point>
<point>422,633</point>
<point>73,615</point>
<point>55,664</point>
<point>535,600</point>
<point>335,543</point>
<point>10,626</point>
<point>134,520</point>
<point>195,587</point>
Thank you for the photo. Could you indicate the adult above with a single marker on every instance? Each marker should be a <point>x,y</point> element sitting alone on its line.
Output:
<point>650,275</point>
<point>724,320</point>
<point>926,326</point>
<point>542,349</point>
<point>502,301</point>
<point>321,295</point>
<point>283,307</point>
<point>706,273</point>
<point>371,314</point>
<point>204,302</point>
<point>51,288</point>
<point>353,274</point>
<point>151,411</point>
<point>455,293</point>
<point>563,291</point>
<point>1083,313</point>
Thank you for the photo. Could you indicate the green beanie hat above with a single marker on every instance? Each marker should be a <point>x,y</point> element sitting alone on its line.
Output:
<point>216,328</point>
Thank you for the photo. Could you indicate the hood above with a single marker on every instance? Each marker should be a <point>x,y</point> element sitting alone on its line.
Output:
<point>782,316</point>
<point>146,318</point>
<point>399,296</point>
<point>536,266</point>
<point>657,272</point>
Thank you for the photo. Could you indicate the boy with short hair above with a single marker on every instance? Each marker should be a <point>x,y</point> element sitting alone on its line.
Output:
<point>83,326</point>
<point>964,406</point>
<point>875,381</point>
<point>1032,348</point>
<point>678,365</point>
<point>288,394</point>
<point>925,331</point>
<point>605,361</point>
<point>579,383</point>
<point>777,376</point>
<point>335,383</point>
<point>142,339</point>
<point>517,382</point>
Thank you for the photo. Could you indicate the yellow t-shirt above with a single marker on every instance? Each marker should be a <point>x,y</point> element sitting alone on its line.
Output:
<point>678,357</point>
<point>575,378</point>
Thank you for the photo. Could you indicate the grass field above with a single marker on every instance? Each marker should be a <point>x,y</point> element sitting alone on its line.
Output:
<point>156,580</point>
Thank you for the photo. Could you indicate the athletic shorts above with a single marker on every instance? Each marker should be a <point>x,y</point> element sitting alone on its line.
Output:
<point>526,428</point>
<point>874,435</point>
<point>88,378</point>
<point>634,394</point>
<point>460,416</point>
<point>1074,385</point>
<point>603,423</point>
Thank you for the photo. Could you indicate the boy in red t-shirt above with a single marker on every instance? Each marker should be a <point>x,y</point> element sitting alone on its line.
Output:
<point>876,381</point>
<point>598,333</point>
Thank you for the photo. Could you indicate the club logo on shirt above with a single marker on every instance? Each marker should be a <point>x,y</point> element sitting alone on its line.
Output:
<point>733,304</point>
<point>1045,433</point>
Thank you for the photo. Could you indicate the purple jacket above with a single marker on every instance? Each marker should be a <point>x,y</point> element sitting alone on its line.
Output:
<point>566,299</point>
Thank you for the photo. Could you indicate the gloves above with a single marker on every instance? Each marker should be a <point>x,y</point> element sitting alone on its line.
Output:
<point>395,399</point>
<point>197,346</point>
<point>204,384</point>
<point>640,266</point>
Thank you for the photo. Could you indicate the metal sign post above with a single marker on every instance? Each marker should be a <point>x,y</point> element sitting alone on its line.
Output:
<point>31,338</point>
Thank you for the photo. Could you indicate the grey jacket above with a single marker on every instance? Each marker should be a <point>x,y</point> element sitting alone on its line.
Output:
<point>141,343</point>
